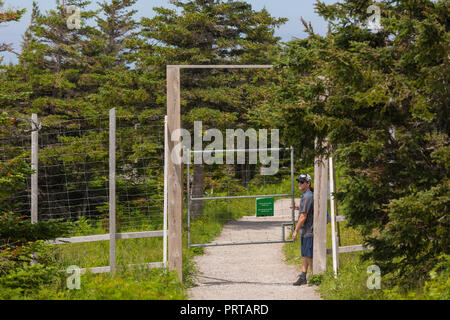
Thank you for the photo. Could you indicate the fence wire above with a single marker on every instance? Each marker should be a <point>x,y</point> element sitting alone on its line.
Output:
<point>73,172</point>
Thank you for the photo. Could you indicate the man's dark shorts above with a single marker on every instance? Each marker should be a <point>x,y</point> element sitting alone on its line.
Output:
<point>307,246</point>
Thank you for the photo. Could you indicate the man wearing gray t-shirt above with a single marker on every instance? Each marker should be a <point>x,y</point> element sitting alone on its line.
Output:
<point>305,225</point>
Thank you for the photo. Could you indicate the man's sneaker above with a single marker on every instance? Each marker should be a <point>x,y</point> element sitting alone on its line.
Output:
<point>301,280</point>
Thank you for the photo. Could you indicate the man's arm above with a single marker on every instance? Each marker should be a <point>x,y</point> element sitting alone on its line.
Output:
<point>300,222</point>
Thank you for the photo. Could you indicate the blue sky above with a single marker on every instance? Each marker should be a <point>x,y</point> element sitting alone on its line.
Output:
<point>291,9</point>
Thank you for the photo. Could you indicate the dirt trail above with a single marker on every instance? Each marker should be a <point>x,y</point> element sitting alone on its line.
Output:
<point>250,272</point>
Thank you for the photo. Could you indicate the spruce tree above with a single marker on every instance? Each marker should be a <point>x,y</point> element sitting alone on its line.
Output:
<point>117,28</point>
<point>381,99</point>
<point>212,32</point>
<point>52,79</point>
<point>7,15</point>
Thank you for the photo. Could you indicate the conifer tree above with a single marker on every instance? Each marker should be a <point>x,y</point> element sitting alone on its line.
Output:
<point>117,28</point>
<point>13,167</point>
<point>381,99</point>
<point>211,32</point>
<point>52,79</point>
<point>7,16</point>
<point>131,92</point>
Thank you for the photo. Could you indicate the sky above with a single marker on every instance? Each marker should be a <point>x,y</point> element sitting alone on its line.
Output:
<point>292,9</point>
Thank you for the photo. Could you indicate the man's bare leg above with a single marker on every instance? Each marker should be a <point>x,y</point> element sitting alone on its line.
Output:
<point>308,264</point>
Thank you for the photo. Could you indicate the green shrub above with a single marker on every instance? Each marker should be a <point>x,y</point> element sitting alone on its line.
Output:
<point>315,280</point>
<point>351,283</point>
<point>29,277</point>
<point>18,231</point>
<point>19,277</point>
<point>132,284</point>
<point>417,234</point>
<point>438,288</point>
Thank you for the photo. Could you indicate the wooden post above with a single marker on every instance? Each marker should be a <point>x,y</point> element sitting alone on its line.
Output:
<point>174,209</point>
<point>320,215</point>
<point>166,156</point>
<point>112,189</point>
<point>333,219</point>
<point>34,166</point>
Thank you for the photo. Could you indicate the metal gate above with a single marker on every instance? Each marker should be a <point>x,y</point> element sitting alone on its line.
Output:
<point>252,223</point>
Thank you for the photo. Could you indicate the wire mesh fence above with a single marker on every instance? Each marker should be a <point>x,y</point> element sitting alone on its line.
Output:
<point>73,171</point>
<point>74,175</point>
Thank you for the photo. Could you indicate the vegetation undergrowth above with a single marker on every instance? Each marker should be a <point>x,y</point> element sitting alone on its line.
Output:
<point>354,278</point>
<point>47,279</point>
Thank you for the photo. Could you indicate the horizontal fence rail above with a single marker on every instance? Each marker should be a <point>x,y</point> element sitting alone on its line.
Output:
<point>243,197</point>
<point>106,236</point>
<point>344,249</point>
<point>223,66</point>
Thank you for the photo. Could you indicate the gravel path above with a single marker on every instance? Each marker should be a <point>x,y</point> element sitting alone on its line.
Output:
<point>250,272</point>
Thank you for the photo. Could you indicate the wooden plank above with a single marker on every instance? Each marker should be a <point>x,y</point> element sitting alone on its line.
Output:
<point>337,219</point>
<point>80,239</point>
<point>138,235</point>
<point>322,232</point>
<point>103,237</point>
<point>317,179</point>
<point>354,248</point>
<point>108,269</point>
<point>320,215</point>
<point>166,156</point>
<point>174,205</point>
<point>222,66</point>
<point>112,189</point>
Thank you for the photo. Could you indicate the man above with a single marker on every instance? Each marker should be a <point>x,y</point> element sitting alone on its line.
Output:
<point>305,226</point>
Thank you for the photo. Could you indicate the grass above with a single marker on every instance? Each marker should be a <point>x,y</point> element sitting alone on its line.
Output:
<point>354,275</point>
<point>144,283</point>
<point>133,283</point>
<point>352,279</point>
<point>126,284</point>
<point>96,254</point>
<point>156,284</point>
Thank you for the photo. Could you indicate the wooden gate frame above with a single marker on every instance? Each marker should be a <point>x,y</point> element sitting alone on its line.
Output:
<point>175,174</point>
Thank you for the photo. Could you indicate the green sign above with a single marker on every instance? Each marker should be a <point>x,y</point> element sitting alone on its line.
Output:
<point>264,207</point>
